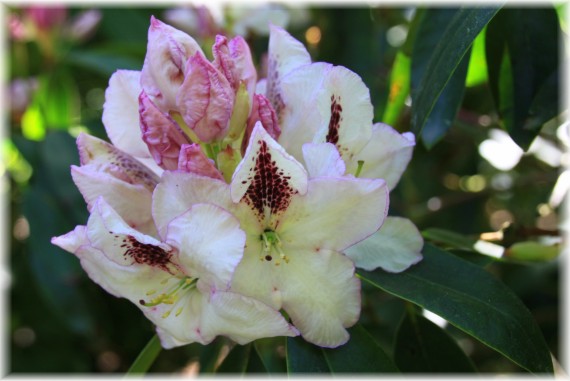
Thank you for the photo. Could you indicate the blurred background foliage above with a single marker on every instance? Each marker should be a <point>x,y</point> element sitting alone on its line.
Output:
<point>468,180</point>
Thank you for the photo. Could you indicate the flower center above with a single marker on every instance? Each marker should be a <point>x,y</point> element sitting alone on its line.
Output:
<point>171,295</point>
<point>271,242</point>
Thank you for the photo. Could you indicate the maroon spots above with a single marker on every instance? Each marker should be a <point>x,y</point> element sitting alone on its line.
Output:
<point>272,91</point>
<point>268,258</point>
<point>143,253</point>
<point>269,189</point>
<point>131,171</point>
<point>334,122</point>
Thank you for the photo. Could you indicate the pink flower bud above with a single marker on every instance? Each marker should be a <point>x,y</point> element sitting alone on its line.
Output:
<point>46,18</point>
<point>193,160</point>
<point>233,58</point>
<point>264,113</point>
<point>161,133</point>
<point>205,100</point>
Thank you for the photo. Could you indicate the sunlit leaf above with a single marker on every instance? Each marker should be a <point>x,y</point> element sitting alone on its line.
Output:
<point>477,71</point>
<point>33,125</point>
<point>472,300</point>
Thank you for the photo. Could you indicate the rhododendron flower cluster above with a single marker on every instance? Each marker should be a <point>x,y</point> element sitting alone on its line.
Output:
<point>231,206</point>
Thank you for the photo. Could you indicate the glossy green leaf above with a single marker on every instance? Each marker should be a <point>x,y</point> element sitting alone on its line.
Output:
<point>474,257</point>
<point>58,98</point>
<point>446,58</point>
<point>255,365</point>
<point>423,347</point>
<point>431,34</point>
<point>304,357</point>
<point>360,355</point>
<point>472,300</point>
<point>449,238</point>
<point>146,358</point>
<point>236,361</point>
<point>103,63</point>
<point>522,48</point>
<point>477,71</point>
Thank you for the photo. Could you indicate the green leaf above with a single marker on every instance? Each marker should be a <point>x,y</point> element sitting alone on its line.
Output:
<point>477,72</point>
<point>474,257</point>
<point>255,365</point>
<point>449,238</point>
<point>423,347</point>
<point>454,45</point>
<point>431,34</point>
<point>472,300</point>
<point>360,355</point>
<point>236,361</point>
<point>522,48</point>
<point>399,88</point>
<point>103,63</point>
<point>271,351</point>
<point>303,357</point>
<point>146,358</point>
<point>59,101</point>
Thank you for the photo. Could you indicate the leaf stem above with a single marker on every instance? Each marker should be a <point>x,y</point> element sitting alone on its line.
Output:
<point>146,358</point>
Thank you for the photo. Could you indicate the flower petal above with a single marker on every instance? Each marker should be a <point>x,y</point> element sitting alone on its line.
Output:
<point>178,191</point>
<point>193,160</point>
<point>234,60</point>
<point>267,177</point>
<point>330,103</point>
<point>394,248</point>
<point>210,243</point>
<point>164,65</point>
<point>161,133</point>
<point>264,113</point>
<point>323,159</point>
<point>205,99</point>
<point>386,156</point>
<point>121,112</point>
<point>132,201</point>
<point>321,295</point>
<point>335,213</point>
<point>73,240</point>
<point>242,319</point>
<point>284,54</point>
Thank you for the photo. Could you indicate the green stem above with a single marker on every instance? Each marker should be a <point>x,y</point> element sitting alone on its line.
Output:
<point>146,358</point>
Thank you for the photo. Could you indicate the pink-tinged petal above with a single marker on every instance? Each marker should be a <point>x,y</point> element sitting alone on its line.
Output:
<point>178,191</point>
<point>261,87</point>
<point>284,55</point>
<point>233,59</point>
<point>335,213</point>
<point>268,177</point>
<point>164,66</point>
<point>205,100</point>
<point>121,113</point>
<point>264,113</point>
<point>161,133</point>
<point>210,243</point>
<point>242,319</point>
<point>108,232</point>
<point>132,201</point>
<point>71,241</point>
<point>193,160</point>
<point>109,159</point>
<point>386,156</point>
<point>394,248</point>
<point>323,160</point>
<point>328,103</point>
<point>321,295</point>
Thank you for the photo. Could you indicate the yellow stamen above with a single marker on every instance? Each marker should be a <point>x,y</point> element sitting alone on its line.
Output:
<point>166,314</point>
<point>178,311</point>
<point>150,292</point>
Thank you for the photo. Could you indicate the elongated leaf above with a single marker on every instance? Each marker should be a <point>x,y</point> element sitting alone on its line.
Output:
<point>423,347</point>
<point>58,98</point>
<point>449,238</point>
<point>453,46</point>
<point>399,88</point>
<point>472,300</point>
<point>271,352</point>
<point>430,35</point>
<point>303,357</point>
<point>236,361</point>
<point>102,62</point>
<point>146,358</point>
<point>360,355</point>
<point>255,365</point>
<point>522,59</point>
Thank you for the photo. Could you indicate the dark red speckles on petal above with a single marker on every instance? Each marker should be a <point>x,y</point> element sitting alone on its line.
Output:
<point>334,122</point>
<point>269,190</point>
<point>144,253</point>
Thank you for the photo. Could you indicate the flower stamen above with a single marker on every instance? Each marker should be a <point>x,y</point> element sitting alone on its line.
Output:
<point>272,241</point>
